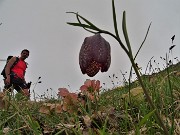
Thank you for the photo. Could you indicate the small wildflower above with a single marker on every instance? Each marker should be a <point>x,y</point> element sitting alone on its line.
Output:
<point>63,92</point>
<point>69,100</point>
<point>90,88</point>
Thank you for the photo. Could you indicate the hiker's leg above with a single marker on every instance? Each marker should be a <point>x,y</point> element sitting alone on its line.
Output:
<point>20,86</point>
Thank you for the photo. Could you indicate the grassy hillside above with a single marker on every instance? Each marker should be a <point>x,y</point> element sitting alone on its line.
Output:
<point>120,111</point>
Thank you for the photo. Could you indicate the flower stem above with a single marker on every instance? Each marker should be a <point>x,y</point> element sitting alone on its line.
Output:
<point>148,97</point>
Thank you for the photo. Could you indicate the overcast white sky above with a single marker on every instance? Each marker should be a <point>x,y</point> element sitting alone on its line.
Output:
<point>40,26</point>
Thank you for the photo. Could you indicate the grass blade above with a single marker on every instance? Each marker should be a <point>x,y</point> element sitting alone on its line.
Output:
<point>146,117</point>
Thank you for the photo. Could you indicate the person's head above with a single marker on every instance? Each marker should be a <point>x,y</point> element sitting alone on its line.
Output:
<point>24,54</point>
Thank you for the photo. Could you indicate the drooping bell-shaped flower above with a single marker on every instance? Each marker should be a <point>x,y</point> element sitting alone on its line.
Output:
<point>95,55</point>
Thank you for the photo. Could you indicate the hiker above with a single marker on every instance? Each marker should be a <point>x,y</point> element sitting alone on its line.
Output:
<point>15,74</point>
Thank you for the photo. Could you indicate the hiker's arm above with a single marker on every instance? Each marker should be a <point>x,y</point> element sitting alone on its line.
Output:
<point>24,76</point>
<point>8,66</point>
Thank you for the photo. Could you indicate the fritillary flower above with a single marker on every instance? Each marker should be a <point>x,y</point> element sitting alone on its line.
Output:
<point>95,55</point>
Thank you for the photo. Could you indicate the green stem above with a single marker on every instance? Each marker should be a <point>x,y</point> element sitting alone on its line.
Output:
<point>148,97</point>
<point>141,82</point>
<point>132,59</point>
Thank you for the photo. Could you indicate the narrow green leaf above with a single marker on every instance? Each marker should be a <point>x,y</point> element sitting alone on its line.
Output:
<point>86,27</point>
<point>130,74</point>
<point>146,117</point>
<point>79,25</point>
<point>88,22</point>
<point>125,33</point>
<point>143,41</point>
<point>114,19</point>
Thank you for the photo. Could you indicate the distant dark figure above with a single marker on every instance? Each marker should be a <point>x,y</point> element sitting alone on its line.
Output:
<point>173,38</point>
